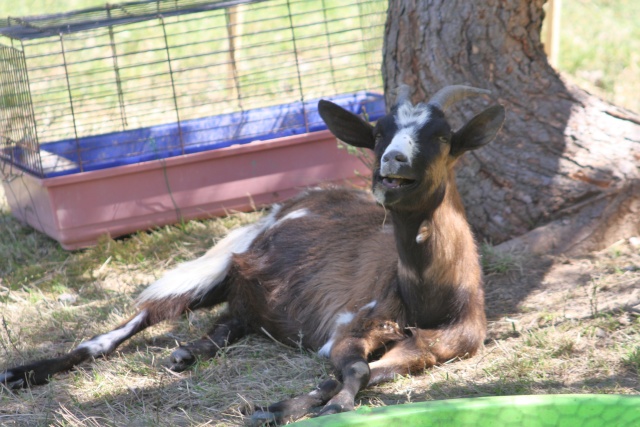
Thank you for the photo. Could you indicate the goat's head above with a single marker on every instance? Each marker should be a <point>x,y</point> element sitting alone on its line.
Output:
<point>414,145</point>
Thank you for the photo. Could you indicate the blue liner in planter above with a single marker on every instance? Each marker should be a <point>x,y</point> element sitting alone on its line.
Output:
<point>197,135</point>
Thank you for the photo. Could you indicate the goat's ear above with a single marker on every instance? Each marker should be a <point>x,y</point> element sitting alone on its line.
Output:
<point>346,126</point>
<point>480,130</point>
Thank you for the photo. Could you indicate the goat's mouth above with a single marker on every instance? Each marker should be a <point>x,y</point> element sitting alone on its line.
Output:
<point>393,181</point>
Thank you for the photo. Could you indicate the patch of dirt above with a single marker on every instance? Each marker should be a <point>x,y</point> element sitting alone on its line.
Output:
<point>604,282</point>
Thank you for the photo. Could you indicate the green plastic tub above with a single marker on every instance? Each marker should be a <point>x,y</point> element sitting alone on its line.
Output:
<point>572,410</point>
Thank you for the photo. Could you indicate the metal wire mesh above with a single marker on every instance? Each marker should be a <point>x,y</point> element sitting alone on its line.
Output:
<point>108,86</point>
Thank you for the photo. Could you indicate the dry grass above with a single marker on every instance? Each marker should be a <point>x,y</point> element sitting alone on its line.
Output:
<point>557,325</point>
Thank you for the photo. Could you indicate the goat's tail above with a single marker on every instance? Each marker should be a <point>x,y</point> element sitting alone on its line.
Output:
<point>200,283</point>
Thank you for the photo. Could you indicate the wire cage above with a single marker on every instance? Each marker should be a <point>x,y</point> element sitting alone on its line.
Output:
<point>133,82</point>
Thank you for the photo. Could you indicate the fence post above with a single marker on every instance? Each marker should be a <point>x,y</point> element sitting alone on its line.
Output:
<point>295,53</point>
<point>233,17</point>
<point>173,84</point>
<point>116,68</point>
<point>552,35</point>
<point>73,114</point>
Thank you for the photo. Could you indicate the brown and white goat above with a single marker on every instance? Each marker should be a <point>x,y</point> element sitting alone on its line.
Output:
<point>379,296</point>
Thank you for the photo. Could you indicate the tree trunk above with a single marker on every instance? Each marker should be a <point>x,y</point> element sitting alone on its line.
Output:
<point>565,160</point>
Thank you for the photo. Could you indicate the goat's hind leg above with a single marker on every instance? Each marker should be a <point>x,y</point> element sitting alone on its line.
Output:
<point>226,331</point>
<point>39,372</point>
<point>192,285</point>
<point>151,312</point>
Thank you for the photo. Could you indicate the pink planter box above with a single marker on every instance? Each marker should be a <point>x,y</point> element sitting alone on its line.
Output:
<point>77,209</point>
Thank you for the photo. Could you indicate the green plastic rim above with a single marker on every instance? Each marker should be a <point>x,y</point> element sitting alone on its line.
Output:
<point>566,410</point>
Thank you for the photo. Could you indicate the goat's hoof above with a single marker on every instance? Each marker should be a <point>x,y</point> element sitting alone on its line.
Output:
<point>341,402</point>
<point>14,379</point>
<point>331,408</point>
<point>264,418</point>
<point>181,359</point>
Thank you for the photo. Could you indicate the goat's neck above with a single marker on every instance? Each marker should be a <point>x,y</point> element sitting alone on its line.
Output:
<point>443,263</point>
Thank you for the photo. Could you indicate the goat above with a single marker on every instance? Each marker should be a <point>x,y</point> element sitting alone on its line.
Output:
<point>378,296</point>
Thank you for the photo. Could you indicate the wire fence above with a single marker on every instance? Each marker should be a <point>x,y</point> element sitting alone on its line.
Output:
<point>137,81</point>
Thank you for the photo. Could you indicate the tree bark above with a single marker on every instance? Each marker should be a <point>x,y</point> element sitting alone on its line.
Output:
<point>565,160</point>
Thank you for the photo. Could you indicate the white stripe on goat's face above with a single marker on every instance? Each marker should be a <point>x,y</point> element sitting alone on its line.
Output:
<point>409,119</point>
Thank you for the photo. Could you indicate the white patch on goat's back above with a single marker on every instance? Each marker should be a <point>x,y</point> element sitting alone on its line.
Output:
<point>291,215</point>
<point>105,343</point>
<point>198,276</point>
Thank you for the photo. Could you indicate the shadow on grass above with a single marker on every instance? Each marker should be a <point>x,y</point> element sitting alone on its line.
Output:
<point>504,387</point>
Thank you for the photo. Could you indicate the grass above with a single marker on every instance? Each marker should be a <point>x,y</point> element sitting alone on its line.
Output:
<point>600,48</point>
<point>494,261</point>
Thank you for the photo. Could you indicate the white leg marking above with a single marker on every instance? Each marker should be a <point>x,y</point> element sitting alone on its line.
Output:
<point>105,343</point>
<point>344,318</point>
<point>325,350</point>
<point>341,319</point>
<point>203,274</point>
<point>372,304</point>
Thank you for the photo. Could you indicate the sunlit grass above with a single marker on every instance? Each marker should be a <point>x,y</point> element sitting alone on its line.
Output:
<point>600,48</point>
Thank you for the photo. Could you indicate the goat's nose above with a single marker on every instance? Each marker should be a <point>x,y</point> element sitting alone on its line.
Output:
<point>395,155</point>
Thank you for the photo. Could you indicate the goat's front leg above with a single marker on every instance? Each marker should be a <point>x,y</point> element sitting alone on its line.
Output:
<point>425,348</point>
<point>408,356</point>
<point>291,409</point>
<point>348,356</point>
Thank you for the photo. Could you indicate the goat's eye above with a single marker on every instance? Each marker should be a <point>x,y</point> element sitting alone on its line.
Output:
<point>443,139</point>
